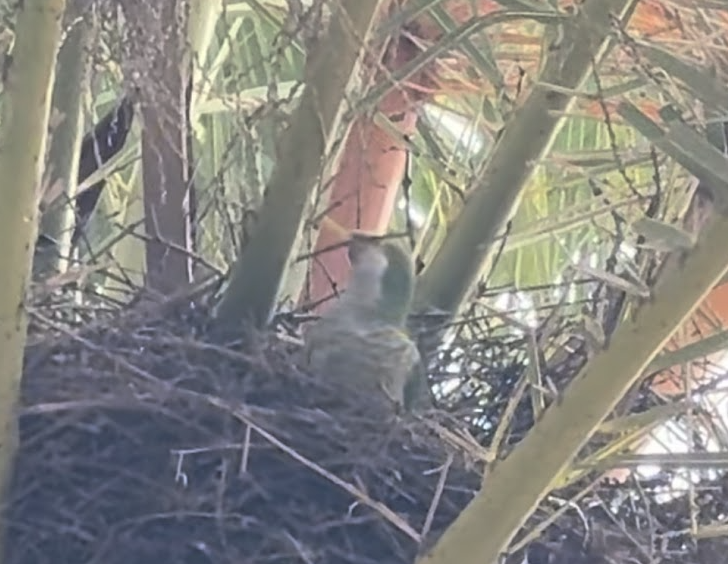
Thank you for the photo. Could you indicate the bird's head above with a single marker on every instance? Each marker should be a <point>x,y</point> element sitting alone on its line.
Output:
<point>382,278</point>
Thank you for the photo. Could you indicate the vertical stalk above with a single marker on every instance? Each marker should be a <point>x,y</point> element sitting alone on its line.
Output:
<point>25,112</point>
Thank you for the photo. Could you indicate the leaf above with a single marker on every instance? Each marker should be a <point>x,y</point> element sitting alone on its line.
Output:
<point>634,288</point>
<point>684,145</point>
<point>663,236</point>
<point>705,87</point>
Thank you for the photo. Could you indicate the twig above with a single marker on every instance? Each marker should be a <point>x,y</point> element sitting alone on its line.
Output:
<point>246,450</point>
<point>380,508</point>
<point>438,494</point>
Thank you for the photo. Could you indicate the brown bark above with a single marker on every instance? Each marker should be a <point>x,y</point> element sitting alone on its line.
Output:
<point>158,64</point>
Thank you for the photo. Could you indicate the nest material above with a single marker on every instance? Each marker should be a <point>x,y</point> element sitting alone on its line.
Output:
<point>144,441</point>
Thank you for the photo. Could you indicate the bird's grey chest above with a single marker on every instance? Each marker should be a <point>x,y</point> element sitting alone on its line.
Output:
<point>339,349</point>
<point>354,349</point>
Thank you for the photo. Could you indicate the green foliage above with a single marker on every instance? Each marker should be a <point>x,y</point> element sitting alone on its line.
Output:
<point>584,203</point>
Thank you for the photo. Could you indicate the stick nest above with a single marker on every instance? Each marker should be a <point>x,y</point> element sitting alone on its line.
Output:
<point>143,440</point>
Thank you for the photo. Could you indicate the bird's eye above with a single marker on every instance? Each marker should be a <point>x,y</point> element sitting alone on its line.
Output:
<point>357,246</point>
<point>353,251</point>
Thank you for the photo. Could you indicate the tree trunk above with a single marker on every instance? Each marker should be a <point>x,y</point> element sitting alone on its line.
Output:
<point>25,112</point>
<point>160,51</point>
<point>334,63</point>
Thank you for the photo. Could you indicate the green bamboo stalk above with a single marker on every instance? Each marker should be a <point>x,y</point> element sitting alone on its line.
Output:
<point>25,112</point>
<point>472,240</point>
<point>519,483</point>
<point>690,353</point>
<point>71,86</point>
<point>257,277</point>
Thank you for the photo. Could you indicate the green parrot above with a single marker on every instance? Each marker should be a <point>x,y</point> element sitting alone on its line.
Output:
<point>363,338</point>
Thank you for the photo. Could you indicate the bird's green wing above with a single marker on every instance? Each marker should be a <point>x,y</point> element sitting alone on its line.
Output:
<point>417,393</point>
<point>392,354</point>
<point>368,356</point>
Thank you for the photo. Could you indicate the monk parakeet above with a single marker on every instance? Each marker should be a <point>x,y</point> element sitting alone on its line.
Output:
<point>362,338</point>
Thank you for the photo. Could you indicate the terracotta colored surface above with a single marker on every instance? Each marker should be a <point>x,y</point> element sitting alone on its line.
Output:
<point>363,197</point>
<point>364,191</point>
